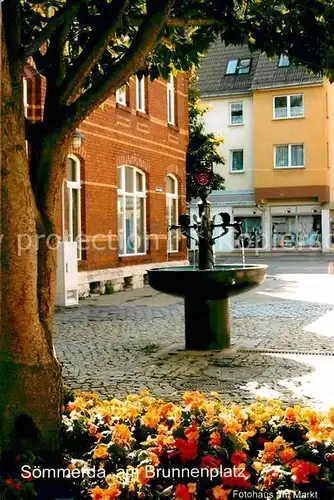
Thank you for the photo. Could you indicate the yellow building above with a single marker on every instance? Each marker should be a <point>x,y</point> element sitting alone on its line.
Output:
<point>293,155</point>
<point>279,118</point>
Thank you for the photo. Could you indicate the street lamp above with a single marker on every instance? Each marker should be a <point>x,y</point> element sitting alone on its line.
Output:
<point>77,139</point>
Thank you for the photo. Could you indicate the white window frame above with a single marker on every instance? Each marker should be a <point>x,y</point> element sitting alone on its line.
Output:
<point>140,94</point>
<point>288,98</point>
<point>231,161</point>
<point>171,99</point>
<point>25,96</point>
<point>74,185</point>
<point>121,95</point>
<point>230,113</point>
<point>172,196</point>
<point>289,166</point>
<point>121,192</point>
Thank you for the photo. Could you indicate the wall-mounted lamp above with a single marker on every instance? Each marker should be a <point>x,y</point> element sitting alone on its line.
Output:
<point>77,139</point>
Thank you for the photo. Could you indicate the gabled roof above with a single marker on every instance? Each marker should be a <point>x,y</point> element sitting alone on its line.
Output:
<point>264,73</point>
<point>269,75</point>
<point>212,78</point>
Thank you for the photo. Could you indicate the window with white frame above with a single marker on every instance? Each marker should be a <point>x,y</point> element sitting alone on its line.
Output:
<point>237,160</point>
<point>172,212</point>
<point>283,61</point>
<point>289,156</point>
<point>140,94</point>
<point>25,97</point>
<point>73,202</point>
<point>289,106</point>
<point>121,95</point>
<point>236,113</point>
<point>170,99</point>
<point>131,198</point>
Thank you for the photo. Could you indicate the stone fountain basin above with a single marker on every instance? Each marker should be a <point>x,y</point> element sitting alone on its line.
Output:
<point>213,284</point>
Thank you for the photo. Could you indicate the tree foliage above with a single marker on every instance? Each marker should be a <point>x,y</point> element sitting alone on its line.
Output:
<point>203,148</point>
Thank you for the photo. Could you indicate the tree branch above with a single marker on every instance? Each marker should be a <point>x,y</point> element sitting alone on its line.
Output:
<point>92,52</point>
<point>178,21</point>
<point>11,13</point>
<point>52,24</point>
<point>134,59</point>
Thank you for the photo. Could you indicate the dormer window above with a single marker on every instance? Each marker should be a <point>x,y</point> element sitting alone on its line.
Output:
<point>232,66</point>
<point>238,66</point>
<point>244,66</point>
<point>283,61</point>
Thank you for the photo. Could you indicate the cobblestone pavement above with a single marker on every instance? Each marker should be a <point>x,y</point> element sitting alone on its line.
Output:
<point>282,335</point>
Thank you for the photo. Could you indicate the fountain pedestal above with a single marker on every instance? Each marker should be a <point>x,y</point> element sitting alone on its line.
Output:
<point>206,296</point>
<point>206,289</point>
<point>207,324</point>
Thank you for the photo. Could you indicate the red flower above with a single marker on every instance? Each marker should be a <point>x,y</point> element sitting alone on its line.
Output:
<point>215,439</point>
<point>238,457</point>
<point>186,450</point>
<point>330,457</point>
<point>9,482</point>
<point>238,479</point>
<point>182,492</point>
<point>17,486</point>
<point>301,470</point>
<point>210,462</point>
<point>261,440</point>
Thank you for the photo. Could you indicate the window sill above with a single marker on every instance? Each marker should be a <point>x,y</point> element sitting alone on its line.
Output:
<point>237,172</point>
<point>235,125</point>
<point>123,107</point>
<point>288,118</point>
<point>289,168</point>
<point>143,114</point>
<point>173,127</point>
<point>131,256</point>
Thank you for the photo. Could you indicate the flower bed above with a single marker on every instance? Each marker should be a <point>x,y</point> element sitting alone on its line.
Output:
<point>144,447</point>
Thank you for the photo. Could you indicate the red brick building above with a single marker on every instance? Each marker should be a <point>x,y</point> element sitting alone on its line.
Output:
<point>125,182</point>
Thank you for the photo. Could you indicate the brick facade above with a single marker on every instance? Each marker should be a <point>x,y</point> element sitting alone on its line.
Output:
<point>117,135</point>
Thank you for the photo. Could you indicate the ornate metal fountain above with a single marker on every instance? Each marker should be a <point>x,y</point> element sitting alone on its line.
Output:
<point>206,288</point>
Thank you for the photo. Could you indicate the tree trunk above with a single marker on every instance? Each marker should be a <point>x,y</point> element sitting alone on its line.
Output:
<point>30,375</point>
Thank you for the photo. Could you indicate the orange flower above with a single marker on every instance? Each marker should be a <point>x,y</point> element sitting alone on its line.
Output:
<point>220,493</point>
<point>101,451</point>
<point>192,433</point>
<point>121,434</point>
<point>151,419</point>
<point>290,414</point>
<point>194,399</point>
<point>215,439</point>
<point>92,430</point>
<point>110,493</point>
<point>269,452</point>
<point>164,409</point>
<point>286,455</point>
<point>142,476</point>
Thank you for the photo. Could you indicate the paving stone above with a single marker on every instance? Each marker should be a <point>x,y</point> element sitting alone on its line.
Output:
<point>118,349</point>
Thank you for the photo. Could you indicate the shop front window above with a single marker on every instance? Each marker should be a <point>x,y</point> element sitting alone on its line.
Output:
<point>300,231</point>
<point>309,231</point>
<point>252,232</point>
